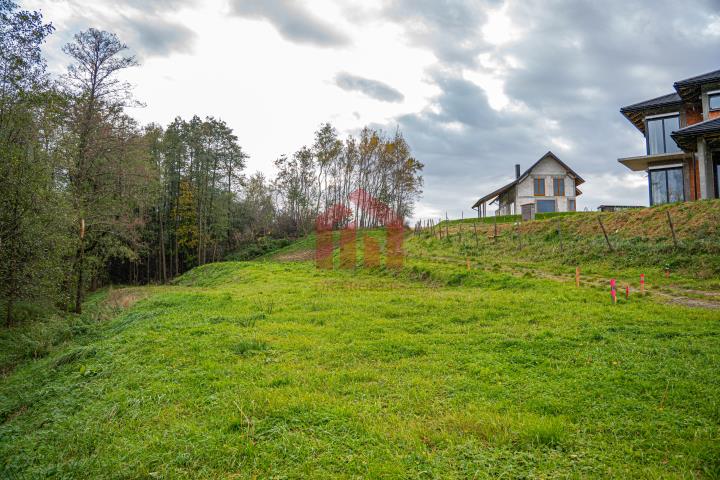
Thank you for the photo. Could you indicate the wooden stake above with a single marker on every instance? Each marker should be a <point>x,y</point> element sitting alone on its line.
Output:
<point>467,262</point>
<point>82,228</point>
<point>607,240</point>
<point>627,291</point>
<point>672,228</point>
<point>447,230</point>
<point>642,284</point>
<point>577,276</point>
<point>462,217</point>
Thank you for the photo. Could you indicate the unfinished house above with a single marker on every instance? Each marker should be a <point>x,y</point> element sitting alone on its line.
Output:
<point>682,140</point>
<point>549,185</point>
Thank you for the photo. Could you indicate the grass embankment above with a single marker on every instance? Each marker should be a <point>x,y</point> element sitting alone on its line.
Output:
<point>641,241</point>
<point>266,369</point>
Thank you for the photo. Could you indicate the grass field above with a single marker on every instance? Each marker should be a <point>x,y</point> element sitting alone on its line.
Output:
<point>278,370</point>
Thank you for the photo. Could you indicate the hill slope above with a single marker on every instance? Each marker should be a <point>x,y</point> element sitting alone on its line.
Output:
<point>266,369</point>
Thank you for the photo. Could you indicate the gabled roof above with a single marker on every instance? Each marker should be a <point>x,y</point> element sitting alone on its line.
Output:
<point>501,190</point>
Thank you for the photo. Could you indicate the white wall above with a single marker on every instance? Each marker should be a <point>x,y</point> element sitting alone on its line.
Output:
<point>548,168</point>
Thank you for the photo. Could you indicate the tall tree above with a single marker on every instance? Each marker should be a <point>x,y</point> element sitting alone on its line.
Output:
<point>27,200</point>
<point>98,98</point>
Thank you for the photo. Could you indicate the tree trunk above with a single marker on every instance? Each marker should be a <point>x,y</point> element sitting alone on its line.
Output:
<point>163,266</point>
<point>79,265</point>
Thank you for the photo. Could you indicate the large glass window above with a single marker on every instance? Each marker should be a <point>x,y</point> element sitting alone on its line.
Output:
<point>539,185</point>
<point>559,187</point>
<point>658,135</point>
<point>666,186</point>
<point>545,206</point>
<point>714,101</point>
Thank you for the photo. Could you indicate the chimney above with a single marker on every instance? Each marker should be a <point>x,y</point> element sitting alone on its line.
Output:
<point>517,171</point>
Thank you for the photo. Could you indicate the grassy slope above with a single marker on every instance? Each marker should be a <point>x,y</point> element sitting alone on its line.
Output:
<point>641,240</point>
<point>277,369</point>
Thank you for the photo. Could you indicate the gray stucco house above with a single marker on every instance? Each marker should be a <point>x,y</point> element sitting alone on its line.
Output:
<point>549,185</point>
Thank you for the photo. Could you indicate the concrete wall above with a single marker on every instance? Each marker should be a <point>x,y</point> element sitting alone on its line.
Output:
<point>548,169</point>
<point>705,170</point>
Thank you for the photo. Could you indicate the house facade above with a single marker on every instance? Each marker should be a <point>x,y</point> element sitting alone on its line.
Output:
<point>549,185</point>
<point>682,140</point>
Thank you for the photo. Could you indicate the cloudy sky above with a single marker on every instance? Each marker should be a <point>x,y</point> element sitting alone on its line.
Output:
<point>475,86</point>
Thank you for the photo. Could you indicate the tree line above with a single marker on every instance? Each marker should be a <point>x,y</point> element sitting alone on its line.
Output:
<point>89,197</point>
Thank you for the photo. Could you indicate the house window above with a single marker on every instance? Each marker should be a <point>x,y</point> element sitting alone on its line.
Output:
<point>545,206</point>
<point>559,187</point>
<point>714,101</point>
<point>658,135</point>
<point>666,186</point>
<point>539,186</point>
<point>571,204</point>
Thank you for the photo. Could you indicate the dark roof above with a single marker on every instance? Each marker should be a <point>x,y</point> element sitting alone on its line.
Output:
<point>686,91</point>
<point>699,79</point>
<point>636,112</point>
<point>501,190</point>
<point>689,89</point>
<point>494,194</point>
<point>662,101</point>
<point>685,137</point>
<point>708,126</point>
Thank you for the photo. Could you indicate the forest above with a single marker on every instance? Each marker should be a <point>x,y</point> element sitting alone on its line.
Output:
<point>89,197</point>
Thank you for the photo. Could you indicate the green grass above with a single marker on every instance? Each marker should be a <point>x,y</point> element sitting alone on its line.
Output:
<point>278,370</point>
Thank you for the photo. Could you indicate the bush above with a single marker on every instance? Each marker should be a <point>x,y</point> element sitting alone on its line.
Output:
<point>262,246</point>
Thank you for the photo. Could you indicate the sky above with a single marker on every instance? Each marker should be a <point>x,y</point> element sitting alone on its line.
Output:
<point>475,86</point>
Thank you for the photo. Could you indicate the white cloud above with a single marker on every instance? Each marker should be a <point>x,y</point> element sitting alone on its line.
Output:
<point>484,84</point>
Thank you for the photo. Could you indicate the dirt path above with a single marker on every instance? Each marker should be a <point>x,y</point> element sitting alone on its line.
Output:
<point>297,256</point>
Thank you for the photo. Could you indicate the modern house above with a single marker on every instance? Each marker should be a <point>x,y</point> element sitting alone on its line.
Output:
<point>682,137</point>
<point>549,185</point>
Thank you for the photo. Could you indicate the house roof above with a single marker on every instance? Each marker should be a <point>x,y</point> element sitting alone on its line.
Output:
<point>636,112</point>
<point>699,79</point>
<point>661,101</point>
<point>686,91</point>
<point>689,89</point>
<point>685,137</point>
<point>501,190</point>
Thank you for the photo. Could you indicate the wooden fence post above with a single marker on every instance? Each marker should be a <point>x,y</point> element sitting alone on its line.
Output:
<point>577,276</point>
<point>672,228</point>
<point>605,233</point>
<point>462,217</point>
<point>447,226</point>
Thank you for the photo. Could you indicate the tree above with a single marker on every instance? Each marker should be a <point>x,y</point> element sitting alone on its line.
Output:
<point>28,204</point>
<point>98,98</point>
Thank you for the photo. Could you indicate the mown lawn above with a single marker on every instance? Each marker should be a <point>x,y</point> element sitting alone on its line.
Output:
<point>278,370</point>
